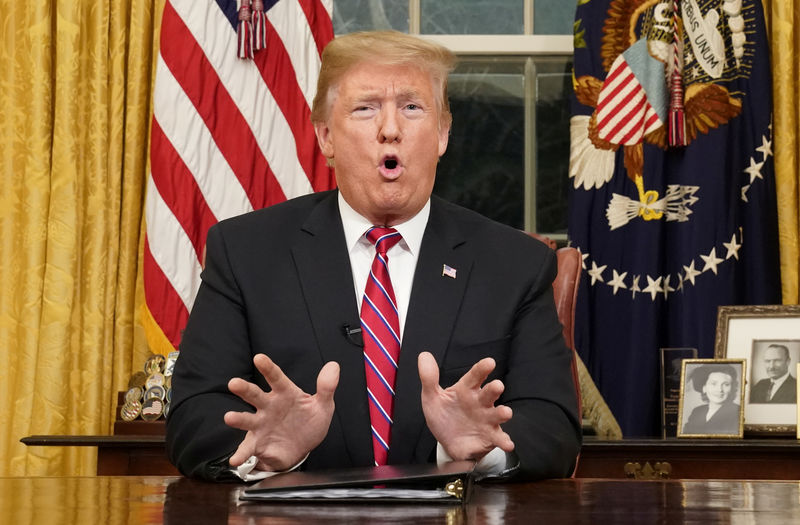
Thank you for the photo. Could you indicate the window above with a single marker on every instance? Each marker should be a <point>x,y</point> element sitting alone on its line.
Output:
<point>509,148</point>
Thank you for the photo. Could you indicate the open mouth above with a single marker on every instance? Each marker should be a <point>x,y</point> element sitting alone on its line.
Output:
<point>390,167</point>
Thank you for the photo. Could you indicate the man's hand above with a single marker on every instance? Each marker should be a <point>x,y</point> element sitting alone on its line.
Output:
<point>288,423</point>
<point>463,418</point>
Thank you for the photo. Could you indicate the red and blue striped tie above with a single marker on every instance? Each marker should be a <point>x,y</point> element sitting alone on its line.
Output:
<point>381,330</point>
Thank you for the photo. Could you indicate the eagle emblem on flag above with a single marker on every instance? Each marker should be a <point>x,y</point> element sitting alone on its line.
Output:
<point>665,62</point>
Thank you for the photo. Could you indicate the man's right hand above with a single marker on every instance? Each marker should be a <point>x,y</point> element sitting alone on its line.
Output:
<point>288,423</point>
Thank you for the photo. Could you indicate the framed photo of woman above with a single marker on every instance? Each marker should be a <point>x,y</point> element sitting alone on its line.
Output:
<point>711,398</point>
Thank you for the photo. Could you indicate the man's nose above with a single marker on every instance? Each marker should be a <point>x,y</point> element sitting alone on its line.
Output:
<point>389,126</point>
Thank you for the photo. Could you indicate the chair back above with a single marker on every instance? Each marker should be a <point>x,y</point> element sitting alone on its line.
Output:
<point>565,294</point>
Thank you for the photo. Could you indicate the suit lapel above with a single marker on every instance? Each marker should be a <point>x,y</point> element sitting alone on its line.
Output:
<point>432,312</point>
<point>323,266</point>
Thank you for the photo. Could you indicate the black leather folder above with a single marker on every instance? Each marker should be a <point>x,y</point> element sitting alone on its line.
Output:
<point>427,483</point>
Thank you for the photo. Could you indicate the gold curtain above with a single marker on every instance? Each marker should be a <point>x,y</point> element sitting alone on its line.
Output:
<point>74,106</point>
<point>784,32</point>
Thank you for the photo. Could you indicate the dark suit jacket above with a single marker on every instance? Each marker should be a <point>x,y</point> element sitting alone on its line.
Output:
<point>724,421</point>
<point>278,281</point>
<point>786,393</point>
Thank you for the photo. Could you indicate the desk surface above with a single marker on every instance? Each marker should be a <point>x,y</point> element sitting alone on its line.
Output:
<point>144,500</point>
<point>768,459</point>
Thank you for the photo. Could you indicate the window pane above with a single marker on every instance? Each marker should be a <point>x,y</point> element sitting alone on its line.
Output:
<point>553,88</point>
<point>484,166</point>
<point>482,17</point>
<point>553,17</point>
<point>367,15</point>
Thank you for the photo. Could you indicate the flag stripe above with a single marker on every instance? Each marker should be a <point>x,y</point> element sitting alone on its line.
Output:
<point>179,190</point>
<point>221,114</point>
<point>170,247</point>
<point>318,16</point>
<point>632,124</point>
<point>291,100</point>
<point>228,135</point>
<point>612,105</point>
<point>166,307</point>
<point>184,129</point>
<point>243,83</point>
<point>298,43</point>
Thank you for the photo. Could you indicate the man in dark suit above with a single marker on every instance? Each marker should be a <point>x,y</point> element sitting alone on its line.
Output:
<point>483,372</point>
<point>780,386</point>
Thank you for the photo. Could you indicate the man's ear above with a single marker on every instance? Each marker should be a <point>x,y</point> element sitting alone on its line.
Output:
<point>324,138</point>
<point>444,137</point>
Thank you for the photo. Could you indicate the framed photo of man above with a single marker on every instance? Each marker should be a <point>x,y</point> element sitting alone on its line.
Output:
<point>712,398</point>
<point>768,338</point>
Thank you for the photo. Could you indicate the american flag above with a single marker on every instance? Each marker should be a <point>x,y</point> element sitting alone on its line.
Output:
<point>229,135</point>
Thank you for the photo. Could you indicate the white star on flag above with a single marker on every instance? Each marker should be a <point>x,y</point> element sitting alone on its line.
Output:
<point>733,248</point>
<point>691,273</point>
<point>597,272</point>
<point>653,287</point>
<point>754,170</point>
<point>711,261</point>
<point>618,281</point>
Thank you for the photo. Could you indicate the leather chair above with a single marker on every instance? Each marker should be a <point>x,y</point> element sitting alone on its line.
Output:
<point>565,294</point>
<point>593,409</point>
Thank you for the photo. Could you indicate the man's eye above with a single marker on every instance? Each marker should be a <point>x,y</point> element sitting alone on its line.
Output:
<point>412,107</point>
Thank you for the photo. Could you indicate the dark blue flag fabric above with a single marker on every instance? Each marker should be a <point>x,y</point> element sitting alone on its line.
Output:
<point>673,203</point>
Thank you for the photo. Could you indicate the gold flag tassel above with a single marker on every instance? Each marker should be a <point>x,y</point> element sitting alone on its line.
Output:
<point>244,31</point>
<point>259,25</point>
<point>677,122</point>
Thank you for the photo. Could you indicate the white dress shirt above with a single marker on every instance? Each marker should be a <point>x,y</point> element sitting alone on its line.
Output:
<point>402,256</point>
<point>777,383</point>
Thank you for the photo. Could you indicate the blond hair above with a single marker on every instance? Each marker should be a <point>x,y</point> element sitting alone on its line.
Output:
<point>390,48</point>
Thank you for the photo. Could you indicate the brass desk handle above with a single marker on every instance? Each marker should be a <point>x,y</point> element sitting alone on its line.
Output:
<point>634,470</point>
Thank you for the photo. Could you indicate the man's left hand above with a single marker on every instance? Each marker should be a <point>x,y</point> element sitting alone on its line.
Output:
<point>462,417</point>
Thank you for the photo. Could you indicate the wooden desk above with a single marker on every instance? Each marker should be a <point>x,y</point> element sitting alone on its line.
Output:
<point>153,500</point>
<point>778,459</point>
<point>133,455</point>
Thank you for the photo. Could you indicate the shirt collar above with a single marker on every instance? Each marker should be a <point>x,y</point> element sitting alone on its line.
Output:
<point>355,226</point>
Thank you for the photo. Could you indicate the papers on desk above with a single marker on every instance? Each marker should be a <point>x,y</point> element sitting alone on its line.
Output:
<point>356,493</point>
<point>448,483</point>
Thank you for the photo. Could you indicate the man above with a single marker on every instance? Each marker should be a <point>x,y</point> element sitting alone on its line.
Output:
<point>482,371</point>
<point>780,386</point>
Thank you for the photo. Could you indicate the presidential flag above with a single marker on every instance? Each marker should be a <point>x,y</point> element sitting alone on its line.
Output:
<point>230,133</point>
<point>673,203</point>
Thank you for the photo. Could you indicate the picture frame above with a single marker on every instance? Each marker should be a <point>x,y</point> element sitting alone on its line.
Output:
<point>755,333</point>
<point>671,359</point>
<point>712,398</point>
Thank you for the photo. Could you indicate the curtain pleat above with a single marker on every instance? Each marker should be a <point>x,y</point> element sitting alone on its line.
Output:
<point>784,29</point>
<point>75,107</point>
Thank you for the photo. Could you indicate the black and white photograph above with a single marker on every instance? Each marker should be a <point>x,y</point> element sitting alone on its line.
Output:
<point>768,338</point>
<point>711,398</point>
<point>773,363</point>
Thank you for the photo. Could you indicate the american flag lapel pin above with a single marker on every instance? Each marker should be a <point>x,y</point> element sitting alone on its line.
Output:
<point>449,271</point>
